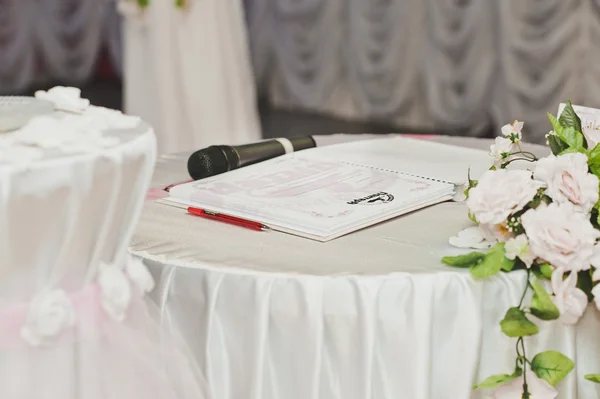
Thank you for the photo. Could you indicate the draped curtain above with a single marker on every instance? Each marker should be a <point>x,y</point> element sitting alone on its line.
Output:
<point>444,64</point>
<point>460,64</point>
<point>56,39</point>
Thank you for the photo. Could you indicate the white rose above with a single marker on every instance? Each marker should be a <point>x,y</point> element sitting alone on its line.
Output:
<point>518,247</point>
<point>570,300</point>
<point>115,291</point>
<point>561,235</point>
<point>139,274</point>
<point>501,150</point>
<point>49,314</point>
<point>537,388</point>
<point>501,193</point>
<point>512,131</point>
<point>568,180</point>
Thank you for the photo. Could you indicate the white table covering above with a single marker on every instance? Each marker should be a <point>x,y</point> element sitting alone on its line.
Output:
<point>370,315</point>
<point>188,73</point>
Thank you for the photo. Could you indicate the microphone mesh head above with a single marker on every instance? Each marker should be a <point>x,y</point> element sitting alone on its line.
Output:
<point>208,162</point>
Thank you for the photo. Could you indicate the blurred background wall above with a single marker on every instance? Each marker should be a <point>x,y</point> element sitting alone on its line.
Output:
<point>318,66</point>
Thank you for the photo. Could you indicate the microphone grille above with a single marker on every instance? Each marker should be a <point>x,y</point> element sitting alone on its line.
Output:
<point>208,162</point>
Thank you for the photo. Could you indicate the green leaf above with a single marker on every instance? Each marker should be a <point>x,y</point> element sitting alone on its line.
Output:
<point>143,3</point>
<point>556,126</point>
<point>472,218</point>
<point>494,261</point>
<point>551,366</point>
<point>569,118</point>
<point>542,306</point>
<point>499,379</point>
<point>593,377</point>
<point>572,150</point>
<point>468,260</point>
<point>573,138</point>
<point>516,324</point>
<point>594,160</point>
<point>557,146</point>
<point>544,271</point>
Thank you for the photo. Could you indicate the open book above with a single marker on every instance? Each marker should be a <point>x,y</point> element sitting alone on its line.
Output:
<point>326,192</point>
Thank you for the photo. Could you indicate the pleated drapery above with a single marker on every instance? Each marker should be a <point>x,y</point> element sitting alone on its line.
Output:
<point>57,39</point>
<point>461,64</point>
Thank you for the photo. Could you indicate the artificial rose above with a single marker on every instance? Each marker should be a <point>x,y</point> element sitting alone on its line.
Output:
<point>115,291</point>
<point>568,180</point>
<point>537,388</point>
<point>471,237</point>
<point>518,247</point>
<point>570,300</point>
<point>49,314</point>
<point>501,193</point>
<point>501,150</point>
<point>561,235</point>
<point>512,131</point>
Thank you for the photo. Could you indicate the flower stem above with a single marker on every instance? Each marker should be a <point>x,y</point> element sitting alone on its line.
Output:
<point>526,394</point>
<point>526,287</point>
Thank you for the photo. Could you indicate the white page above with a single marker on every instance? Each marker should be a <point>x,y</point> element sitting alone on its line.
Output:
<point>301,193</point>
<point>417,157</point>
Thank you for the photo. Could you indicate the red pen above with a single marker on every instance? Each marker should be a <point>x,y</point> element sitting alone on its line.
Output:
<point>227,219</point>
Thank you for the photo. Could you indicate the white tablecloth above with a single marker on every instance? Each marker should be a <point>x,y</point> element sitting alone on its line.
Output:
<point>370,315</point>
<point>188,73</point>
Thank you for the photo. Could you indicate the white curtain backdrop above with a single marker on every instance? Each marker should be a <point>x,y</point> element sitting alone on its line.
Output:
<point>56,39</point>
<point>461,64</point>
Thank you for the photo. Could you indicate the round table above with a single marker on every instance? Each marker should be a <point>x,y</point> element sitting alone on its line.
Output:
<point>373,314</point>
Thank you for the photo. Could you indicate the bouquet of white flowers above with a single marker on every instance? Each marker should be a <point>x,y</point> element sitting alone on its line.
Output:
<point>545,221</point>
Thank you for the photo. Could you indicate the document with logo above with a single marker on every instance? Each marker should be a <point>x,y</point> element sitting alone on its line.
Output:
<point>328,192</point>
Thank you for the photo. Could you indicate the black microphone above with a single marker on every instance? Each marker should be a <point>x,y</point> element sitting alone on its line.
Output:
<point>218,159</point>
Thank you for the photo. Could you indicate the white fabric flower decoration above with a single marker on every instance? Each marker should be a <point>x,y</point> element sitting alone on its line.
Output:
<point>139,275</point>
<point>65,98</point>
<point>570,300</point>
<point>471,237</point>
<point>49,314</point>
<point>110,119</point>
<point>47,132</point>
<point>518,247</point>
<point>115,291</point>
<point>512,131</point>
<point>568,180</point>
<point>561,235</point>
<point>501,193</point>
<point>538,388</point>
<point>501,149</point>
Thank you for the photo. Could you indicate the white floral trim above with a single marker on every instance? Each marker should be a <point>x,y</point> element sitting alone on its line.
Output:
<point>49,314</point>
<point>139,275</point>
<point>65,98</point>
<point>115,291</point>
